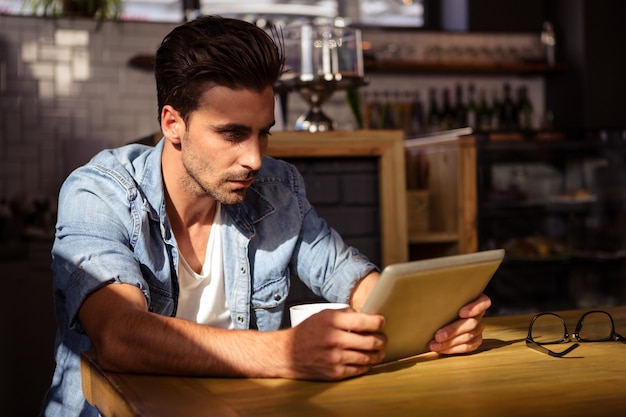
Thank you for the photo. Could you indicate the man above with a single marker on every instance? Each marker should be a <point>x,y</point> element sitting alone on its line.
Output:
<point>168,260</point>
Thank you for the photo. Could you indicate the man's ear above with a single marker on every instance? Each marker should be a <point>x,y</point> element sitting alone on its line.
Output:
<point>172,124</point>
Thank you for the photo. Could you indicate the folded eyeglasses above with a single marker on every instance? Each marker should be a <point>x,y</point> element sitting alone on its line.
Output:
<point>550,329</point>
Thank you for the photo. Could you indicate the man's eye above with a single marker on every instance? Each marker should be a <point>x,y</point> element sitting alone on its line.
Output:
<point>234,136</point>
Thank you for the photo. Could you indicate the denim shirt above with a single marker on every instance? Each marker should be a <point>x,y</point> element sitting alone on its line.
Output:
<point>112,227</point>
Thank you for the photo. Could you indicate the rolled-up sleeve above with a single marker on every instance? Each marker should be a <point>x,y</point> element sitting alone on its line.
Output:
<point>93,243</point>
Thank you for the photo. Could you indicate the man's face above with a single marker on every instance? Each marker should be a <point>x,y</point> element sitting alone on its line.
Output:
<point>225,142</point>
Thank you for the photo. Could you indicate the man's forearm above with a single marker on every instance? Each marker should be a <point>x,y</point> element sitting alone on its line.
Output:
<point>166,345</point>
<point>128,338</point>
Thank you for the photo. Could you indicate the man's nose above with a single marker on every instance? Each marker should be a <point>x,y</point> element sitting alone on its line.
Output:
<point>253,154</point>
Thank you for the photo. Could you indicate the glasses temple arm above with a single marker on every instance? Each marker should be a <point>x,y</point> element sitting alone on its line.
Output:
<point>532,344</point>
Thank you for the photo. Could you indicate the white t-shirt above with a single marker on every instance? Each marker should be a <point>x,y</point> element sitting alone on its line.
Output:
<point>202,296</point>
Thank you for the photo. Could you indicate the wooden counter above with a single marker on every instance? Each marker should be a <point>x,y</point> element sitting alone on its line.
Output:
<point>503,378</point>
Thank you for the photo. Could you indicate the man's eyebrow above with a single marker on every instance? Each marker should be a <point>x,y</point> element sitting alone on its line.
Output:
<point>232,126</point>
<point>239,127</point>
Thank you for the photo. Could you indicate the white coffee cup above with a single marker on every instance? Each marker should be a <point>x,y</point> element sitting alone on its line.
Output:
<point>301,312</point>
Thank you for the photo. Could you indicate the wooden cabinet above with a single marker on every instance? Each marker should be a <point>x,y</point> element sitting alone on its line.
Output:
<point>444,167</point>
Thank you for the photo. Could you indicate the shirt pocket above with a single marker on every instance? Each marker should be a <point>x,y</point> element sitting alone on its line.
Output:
<point>161,301</point>
<point>272,292</point>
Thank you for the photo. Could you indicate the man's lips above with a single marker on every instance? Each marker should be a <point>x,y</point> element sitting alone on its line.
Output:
<point>246,181</point>
<point>243,182</point>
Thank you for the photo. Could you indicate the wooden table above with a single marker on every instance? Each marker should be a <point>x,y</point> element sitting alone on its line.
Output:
<point>503,378</point>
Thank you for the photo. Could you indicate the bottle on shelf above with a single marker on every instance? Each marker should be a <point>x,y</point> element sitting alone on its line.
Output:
<point>508,110</point>
<point>447,112</point>
<point>494,116</point>
<point>401,113</point>
<point>372,110</point>
<point>524,109</point>
<point>483,114</point>
<point>460,109</point>
<point>386,117</point>
<point>433,120</point>
<point>472,107</point>
<point>417,114</point>
<point>403,107</point>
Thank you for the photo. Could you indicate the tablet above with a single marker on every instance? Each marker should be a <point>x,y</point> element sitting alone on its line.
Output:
<point>420,297</point>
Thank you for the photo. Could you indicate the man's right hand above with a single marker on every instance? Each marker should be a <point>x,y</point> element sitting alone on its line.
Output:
<point>335,344</point>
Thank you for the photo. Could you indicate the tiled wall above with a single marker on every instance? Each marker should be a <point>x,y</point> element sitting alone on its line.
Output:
<point>67,91</point>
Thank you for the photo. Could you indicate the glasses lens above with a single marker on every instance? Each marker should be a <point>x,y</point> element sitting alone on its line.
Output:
<point>596,326</point>
<point>548,328</point>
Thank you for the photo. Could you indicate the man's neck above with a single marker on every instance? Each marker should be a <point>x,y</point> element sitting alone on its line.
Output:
<point>191,225</point>
<point>191,216</point>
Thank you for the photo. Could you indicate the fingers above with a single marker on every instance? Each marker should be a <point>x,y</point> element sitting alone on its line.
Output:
<point>339,363</point>
<point>338,373</point>
<point>476,308</point>
<point>463,335</point>
<point>355,322</point>
<point>357,332</point>
<point>363,342</point>
<point>352,363</point>
<point>469,345</point>
<point>349,357</point>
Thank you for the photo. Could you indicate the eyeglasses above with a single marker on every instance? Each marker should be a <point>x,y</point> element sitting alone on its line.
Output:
<point>550,329</point>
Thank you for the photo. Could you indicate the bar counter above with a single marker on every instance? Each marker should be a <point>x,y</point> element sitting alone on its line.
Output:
<point>503,378</point>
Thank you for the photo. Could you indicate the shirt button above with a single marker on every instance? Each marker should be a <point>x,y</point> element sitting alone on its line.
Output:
<point>240,319</point>
<point>277,297</point>
<point>243,270</point>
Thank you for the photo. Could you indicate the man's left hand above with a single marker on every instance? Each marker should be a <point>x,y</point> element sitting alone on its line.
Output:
<point>465,334</point>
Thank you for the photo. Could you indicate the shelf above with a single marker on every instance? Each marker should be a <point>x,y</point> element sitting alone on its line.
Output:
<point>552,152</point>
<point>574,257</point>
<point>492,207</point>
<point>145,62</point>
<point>434,237</point>
<point>521,68</point>
<point>532,146</point>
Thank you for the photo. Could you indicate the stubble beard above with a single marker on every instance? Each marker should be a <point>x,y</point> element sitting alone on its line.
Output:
<point>203,180</point>
<point>217,190</point>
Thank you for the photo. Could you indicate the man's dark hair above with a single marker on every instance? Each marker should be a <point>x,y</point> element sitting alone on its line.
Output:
<point>214,51</point>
